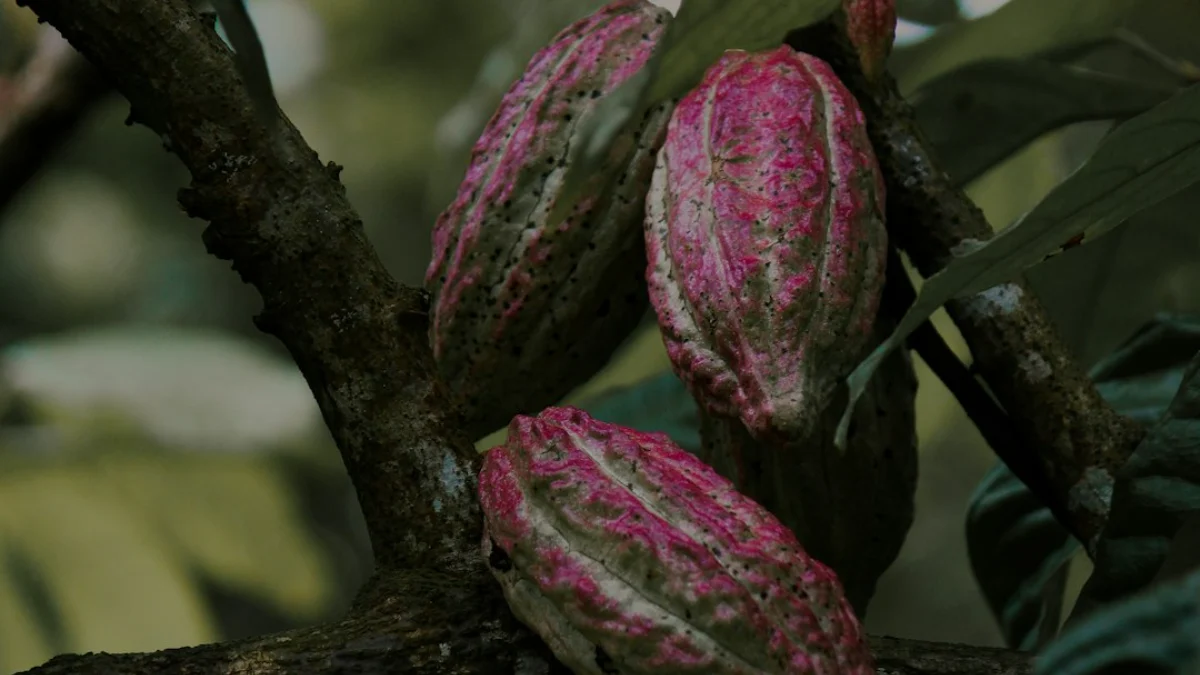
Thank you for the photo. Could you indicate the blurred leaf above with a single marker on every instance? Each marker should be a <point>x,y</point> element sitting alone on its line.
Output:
<point>192,389</point>
<point>249,57</point>
<point>120,540</point>
<point>1156,490</point>
<point>981,114</point>
<point>659,403</point>
<point>1019,554</point>
<point>27,641</point>
<point>1155,633</point>
<point>692,42</point>
<point>1019,28</point>
<point>1142,162</point>
<point>232,521</point>
<point>928,12</point>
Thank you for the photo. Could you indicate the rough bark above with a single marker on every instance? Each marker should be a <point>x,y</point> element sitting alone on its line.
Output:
<point>282,218</point>
<point>1069,431</point>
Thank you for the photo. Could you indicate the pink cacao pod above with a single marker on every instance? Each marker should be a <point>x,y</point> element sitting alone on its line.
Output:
<point>626,554</point>
<point>765,239</point>
<point>871,26</point>
<point>525,309</point>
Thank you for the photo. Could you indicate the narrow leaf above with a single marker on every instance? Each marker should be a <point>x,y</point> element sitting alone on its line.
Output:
<point>693,41</point>
<point>983,113</point>
<point>1017,29</point>
<point>249,57</point>
<point>1142,162</point>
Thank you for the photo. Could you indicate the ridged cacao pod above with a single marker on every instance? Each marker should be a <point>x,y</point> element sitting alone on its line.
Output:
<point>765,239</point>
<point>851,509</point>
<point>871,26</point>
<point>627,554</point>
<point>525,309</point>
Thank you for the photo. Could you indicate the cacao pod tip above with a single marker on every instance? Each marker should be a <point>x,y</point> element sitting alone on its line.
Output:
<point>871,27</point>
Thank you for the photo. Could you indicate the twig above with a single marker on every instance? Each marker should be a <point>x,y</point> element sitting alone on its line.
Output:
<point>1065,426</point>
<point>985,413</point>
<point>41,108</point>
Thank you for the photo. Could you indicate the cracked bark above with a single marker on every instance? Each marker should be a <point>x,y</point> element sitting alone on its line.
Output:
<point>282,218</point>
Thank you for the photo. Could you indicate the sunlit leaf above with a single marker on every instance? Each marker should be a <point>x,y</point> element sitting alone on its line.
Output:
<point>27,640</point>
<point>1155,633</point>
<point>1142,162</point>
<point>120,542</point>
<point>232,520</point>
<point>98,564</point>
<point>693,41</point>
<point>983,113</point>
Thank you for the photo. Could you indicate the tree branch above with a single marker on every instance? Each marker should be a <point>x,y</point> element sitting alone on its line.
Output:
<point>41,107</point>
<point>284,221</point>
<point>359,338</point>
<point>1067,428</point>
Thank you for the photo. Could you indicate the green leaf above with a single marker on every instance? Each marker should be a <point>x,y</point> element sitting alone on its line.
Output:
<point>1142,376</point>
<point>1018,551</point>
<point>185,388</point>
<point>1156,633</point>
<point>249,57</point>
<point>122,541</point>
<point>928,12</point>
<point>693,41</point>
<point>1019,554</point>
<point>1019,28</point>
<point>659,403</point>
<point>983,113</point>
<point>1155,492</point>
<point>1142,162</point>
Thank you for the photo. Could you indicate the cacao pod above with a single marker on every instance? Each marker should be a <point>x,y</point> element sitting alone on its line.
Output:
<point>765,239</point>
<point>627,554</point>
<point>871,27</point>
<point>525,309</point>
<point>851,510</point>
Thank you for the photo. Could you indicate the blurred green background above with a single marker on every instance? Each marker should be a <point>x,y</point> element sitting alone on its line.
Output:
<point>165,478</point>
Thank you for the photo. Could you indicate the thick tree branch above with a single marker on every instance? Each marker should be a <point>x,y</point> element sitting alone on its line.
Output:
<point>359,338</point>
<point>1067,428</point>
<point>284,220</point>
<point>40,107</point>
